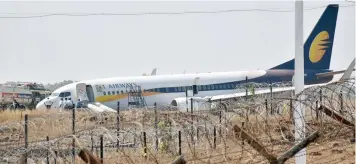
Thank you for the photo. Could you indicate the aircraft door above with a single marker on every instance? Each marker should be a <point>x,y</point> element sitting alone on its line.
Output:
<point>81,92</point>
<point>90,93</point>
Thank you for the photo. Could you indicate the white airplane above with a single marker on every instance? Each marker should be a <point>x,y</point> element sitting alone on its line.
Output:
<point>170,89</point>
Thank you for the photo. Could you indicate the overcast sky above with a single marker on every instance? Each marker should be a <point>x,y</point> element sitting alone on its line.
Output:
<point>58,48</point>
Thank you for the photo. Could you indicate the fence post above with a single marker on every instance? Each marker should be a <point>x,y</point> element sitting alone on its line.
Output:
<point>341,103</point>
<point>156,127</point>
<point>144,145</point>
<point>242,126</point>
<point>92,142</point>
<point>118,126</point>
<point>192,128</point>
<point>47,155</point>
<point>73,131</point>
<point>266,104</point>
<point>321,96</point>
<point>291,109</point>
<point>246,88</point>
<point>317,110</point>
<point>220,115</point>
<point>179,143</point>
<point>271,97</point>
<point>197,134</point>
<point>26,136</point>
<point>102,148</point>
<point>135,137</point>
<point>214,133</point>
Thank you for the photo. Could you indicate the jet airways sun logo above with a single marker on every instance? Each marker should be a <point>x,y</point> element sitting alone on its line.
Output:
<point>319,46</point>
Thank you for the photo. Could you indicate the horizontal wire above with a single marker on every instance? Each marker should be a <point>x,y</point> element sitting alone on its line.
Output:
<point>153,13</point>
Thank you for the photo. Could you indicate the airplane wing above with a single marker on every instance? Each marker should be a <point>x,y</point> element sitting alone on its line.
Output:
<point>346,75</point>
<point>348,72</point>
<point>257,92</point>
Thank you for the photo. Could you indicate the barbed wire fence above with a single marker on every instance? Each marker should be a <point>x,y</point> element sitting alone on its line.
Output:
<point>252,129</point>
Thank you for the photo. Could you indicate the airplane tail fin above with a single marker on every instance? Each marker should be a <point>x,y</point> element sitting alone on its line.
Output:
<point>319,44</point>
<point>154,71</point>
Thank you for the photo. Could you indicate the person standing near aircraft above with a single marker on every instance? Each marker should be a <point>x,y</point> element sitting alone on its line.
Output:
<point>79,104</point>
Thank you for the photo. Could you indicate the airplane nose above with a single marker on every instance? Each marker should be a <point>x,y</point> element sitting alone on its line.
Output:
<point>41,105</point>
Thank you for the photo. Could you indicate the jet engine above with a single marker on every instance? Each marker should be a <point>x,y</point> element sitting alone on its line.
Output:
<point>198,104</point>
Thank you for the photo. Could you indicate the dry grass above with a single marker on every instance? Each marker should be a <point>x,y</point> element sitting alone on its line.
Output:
<point>274,131</point>
<point>18,115</point>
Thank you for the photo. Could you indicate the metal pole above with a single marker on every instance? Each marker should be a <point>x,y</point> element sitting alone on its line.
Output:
<point>299,111</point>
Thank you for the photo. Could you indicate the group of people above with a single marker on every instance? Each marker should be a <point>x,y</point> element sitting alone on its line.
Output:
<point>66,103</point>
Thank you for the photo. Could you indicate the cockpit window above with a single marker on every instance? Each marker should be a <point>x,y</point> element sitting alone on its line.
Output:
<point>62,94</point>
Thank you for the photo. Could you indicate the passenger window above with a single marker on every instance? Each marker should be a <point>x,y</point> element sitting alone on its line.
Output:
<point>109,93</point>
<point>175,89</point>
<point>212,87</point>
<point>220,86</point>
<point>167,90</point>
<point>61,94</point>
<point>113,92</point>
<point>117,92</point>
<point>224,86</point>
<point>208,87</point>
<point>104,93</point>
<point>66,94</point>
<point>122,92</point>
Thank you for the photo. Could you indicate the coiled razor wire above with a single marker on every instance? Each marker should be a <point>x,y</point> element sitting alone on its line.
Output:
<point>206,135</point>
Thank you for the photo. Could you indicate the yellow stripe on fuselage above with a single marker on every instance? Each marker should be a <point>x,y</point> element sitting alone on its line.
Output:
<point>108,98</point>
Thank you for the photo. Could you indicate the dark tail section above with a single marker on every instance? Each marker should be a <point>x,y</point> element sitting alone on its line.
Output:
<point>318,46</point>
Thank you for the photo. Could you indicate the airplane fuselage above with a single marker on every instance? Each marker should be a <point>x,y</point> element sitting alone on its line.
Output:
<point>162,89</point>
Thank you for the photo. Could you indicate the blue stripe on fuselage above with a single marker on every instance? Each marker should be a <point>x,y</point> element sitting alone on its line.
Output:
<point>271,76</point>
